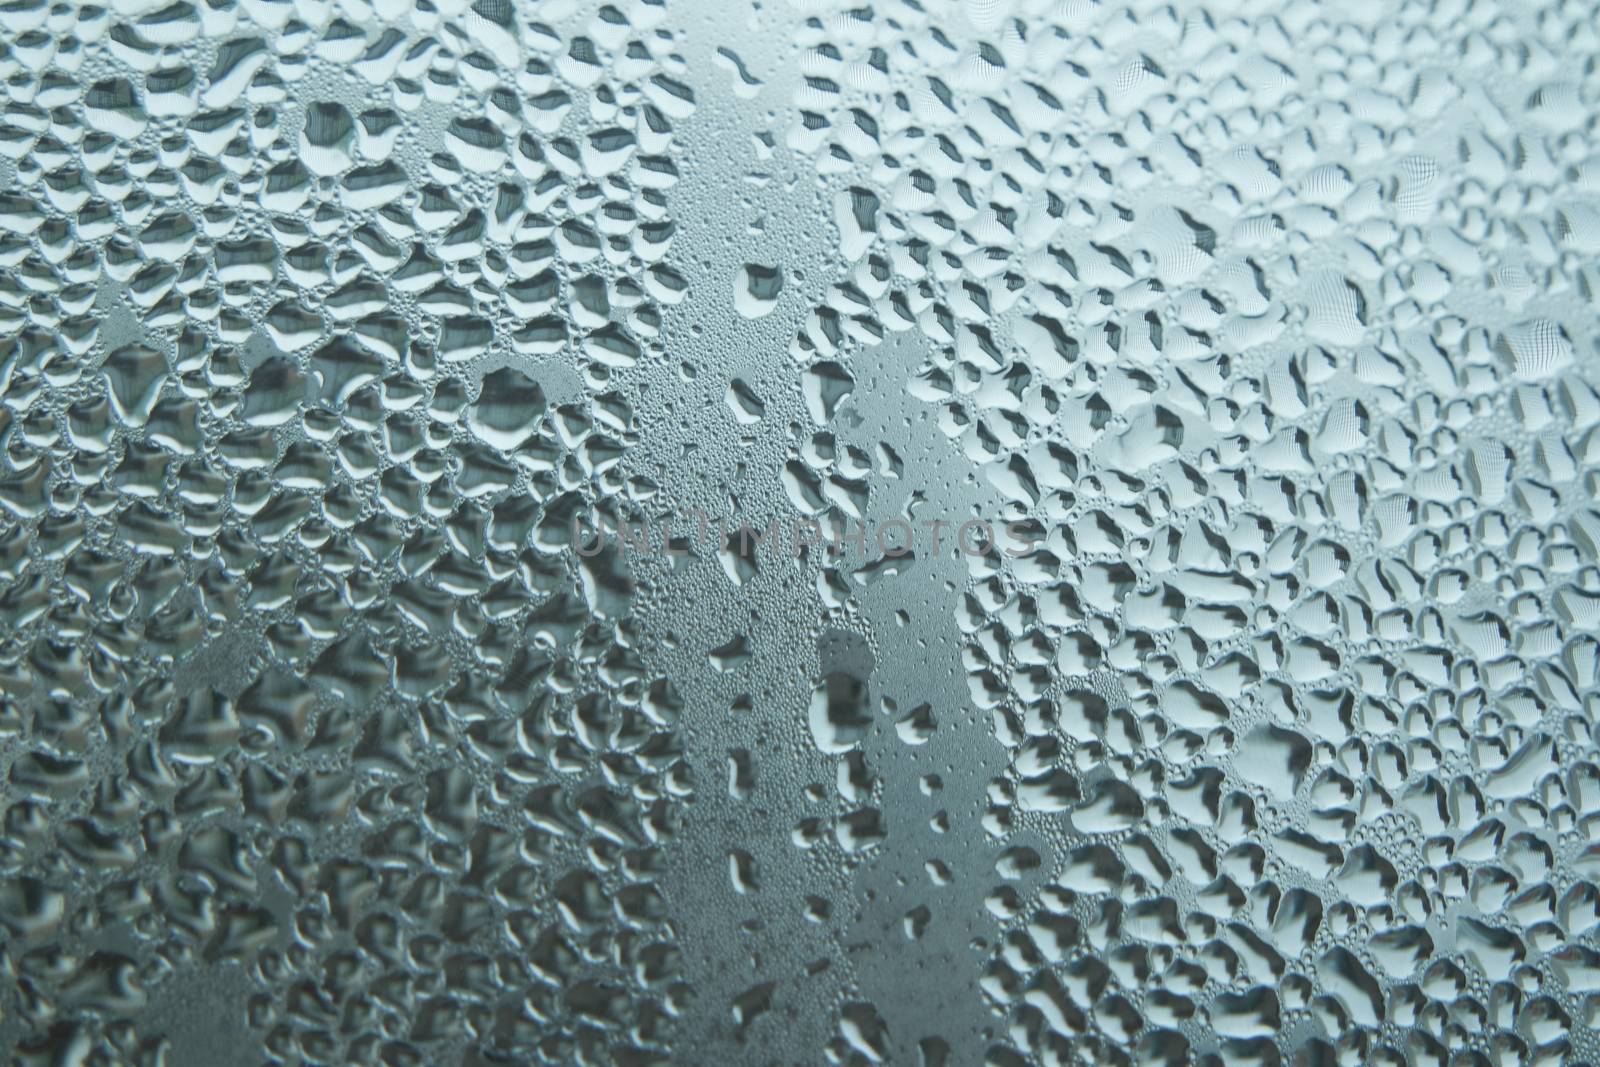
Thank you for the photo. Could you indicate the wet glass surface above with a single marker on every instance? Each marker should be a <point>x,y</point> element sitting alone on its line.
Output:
<point>759,533</point>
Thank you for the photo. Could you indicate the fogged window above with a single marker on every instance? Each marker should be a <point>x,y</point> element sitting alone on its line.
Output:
<point>1003,532</point>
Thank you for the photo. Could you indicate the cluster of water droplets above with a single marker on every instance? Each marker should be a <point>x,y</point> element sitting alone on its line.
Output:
<point>325,326</point>
<point>1278,323</point>
<point>317,323</point>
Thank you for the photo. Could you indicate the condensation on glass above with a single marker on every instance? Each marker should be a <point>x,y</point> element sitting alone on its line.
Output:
<point>328,736</point>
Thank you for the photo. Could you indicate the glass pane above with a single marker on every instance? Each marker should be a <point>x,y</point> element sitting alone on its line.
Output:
<point>1010,532</point>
